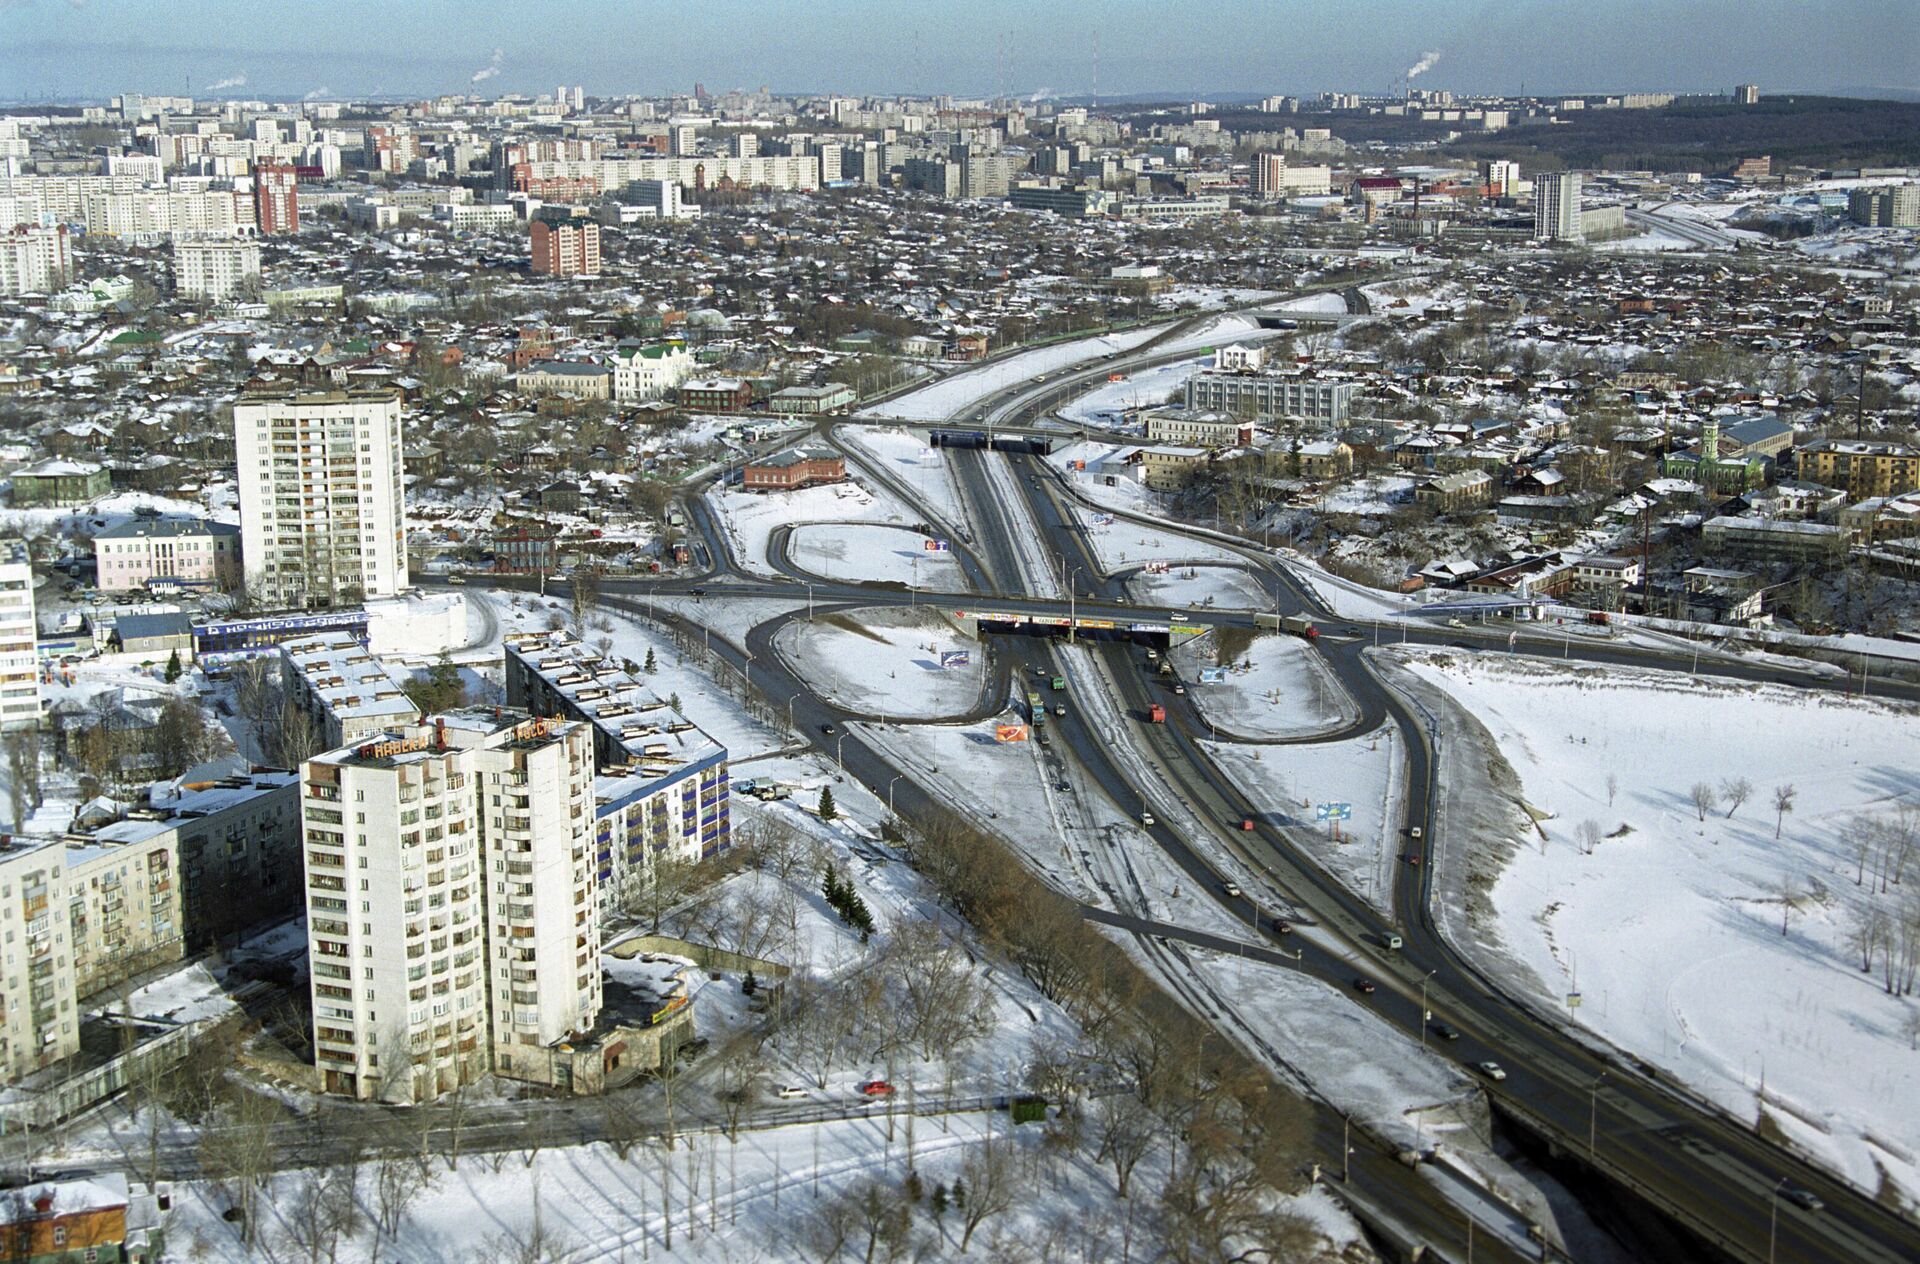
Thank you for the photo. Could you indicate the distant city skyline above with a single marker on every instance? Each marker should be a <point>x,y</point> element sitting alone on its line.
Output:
<point>89,49</point>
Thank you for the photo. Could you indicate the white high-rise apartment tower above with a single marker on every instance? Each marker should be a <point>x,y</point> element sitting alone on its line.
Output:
<point>1556,206</point>
<point>322,509</point>
<point>452,925</point>
<point>19,663</point>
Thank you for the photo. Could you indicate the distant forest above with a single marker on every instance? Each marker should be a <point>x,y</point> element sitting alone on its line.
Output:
<point>1811,131</point>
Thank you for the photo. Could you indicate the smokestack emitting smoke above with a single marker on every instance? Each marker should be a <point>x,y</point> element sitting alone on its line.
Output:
<point>491,69</point>
<point>1425,63</point>
<point>236,81</point>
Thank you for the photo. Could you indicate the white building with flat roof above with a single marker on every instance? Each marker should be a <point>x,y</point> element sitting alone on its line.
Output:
<point>209,271</point>
<point>322,509</point>
<point>348,692</point>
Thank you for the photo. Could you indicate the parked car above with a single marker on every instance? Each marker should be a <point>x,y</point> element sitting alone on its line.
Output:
<point>876,1088</point>
<point>790,1091</point>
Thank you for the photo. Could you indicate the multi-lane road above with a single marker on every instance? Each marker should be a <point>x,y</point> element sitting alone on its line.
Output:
<point>1707,1172</point>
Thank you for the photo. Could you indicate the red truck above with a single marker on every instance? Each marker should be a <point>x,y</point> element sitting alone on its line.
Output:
<point>1156,714</point>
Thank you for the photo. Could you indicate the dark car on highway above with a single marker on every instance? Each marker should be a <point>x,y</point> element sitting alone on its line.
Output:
<point>1363,984</point>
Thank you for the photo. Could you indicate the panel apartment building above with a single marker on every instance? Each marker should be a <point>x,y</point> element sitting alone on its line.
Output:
<point>663,786</point>
<point>453,924</point>
<point>19,633</point>
<point>322,514</point>
<point>1268,396</point>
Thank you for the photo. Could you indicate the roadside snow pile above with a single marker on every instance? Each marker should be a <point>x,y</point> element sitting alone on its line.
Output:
<point>1655,886</point>
<point>1278,688</point>
<point>887,662</point>
<point>908,457</point>
<point>750,520</point>
<point>1333,304</point>
<point>852,551</point>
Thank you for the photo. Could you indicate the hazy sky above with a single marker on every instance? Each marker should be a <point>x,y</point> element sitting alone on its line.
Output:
<point>92,48</point>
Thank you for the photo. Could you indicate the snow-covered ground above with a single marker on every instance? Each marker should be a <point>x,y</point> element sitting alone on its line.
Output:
<point>907,455</point>
<point>750,519</point>
<point>1287,784</point>
<point>1182,587</point>
<point>886,662</point>
<point>1671,927</point>
<point>1119,544</point>
<point>857,551</point>
<point>1376,494</point>
<point>1280,688</point>
<point>957,392</point>
<point>1146,388</point>
<point>1332,303</point>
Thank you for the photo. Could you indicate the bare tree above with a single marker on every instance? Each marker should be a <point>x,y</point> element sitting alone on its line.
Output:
<point>1789,896</point>
<point>1126,1130</point>
<point>238,1152</point>
<point>883,1216</point>
<point>398,1181</point>
<point>318,1215</point>
<point>990,1185</point>
<point>1737,791</point>
<point>1613,787</point>
<point>1590,835</point>
<point>1782,804</point>
<point>1863,935</point>
<point>1703,799</point>
<point>741,1068</point>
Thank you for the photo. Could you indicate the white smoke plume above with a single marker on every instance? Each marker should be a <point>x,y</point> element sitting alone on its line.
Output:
<point>235,81</point>
<point>491,69</point>
<point>1425,63</point>
<point>318,94</point>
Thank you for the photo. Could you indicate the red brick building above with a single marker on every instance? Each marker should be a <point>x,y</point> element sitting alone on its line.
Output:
<point>716,394</point>
<point>795,467</point>
<point>569,249</point>
<point>276,202</point>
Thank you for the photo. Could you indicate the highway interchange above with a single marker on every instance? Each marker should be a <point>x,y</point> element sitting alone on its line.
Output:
<point>1706,1171</point>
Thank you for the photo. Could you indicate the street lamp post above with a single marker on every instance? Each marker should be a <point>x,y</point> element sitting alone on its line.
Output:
<point>1773,1218</point>
<point>1346,1149</point>
<point>809,603</point>
<point>838,756</point>
<point>890,794</point>
<point>1593,1114</point>
<point>791,699</point>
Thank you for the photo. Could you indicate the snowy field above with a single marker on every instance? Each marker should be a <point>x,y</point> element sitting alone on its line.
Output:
<point>886,662</point>
<point>1285,785</point>
<point>1147,388</point>
<point>1280,688</point>
<point>958,392</point>
<point>1118,545</point>
<point>855,551</point>
<point>1373,495</point>
<point>1727,956</point>
<point>1224,587</point>
<point>1334,304</point>
<point>750,519</point>
<point>907,456</point>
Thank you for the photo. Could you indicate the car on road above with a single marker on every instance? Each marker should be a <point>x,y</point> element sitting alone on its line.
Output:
<point>1413,858</point>
<point>1802,1197</point>
<point>1059,708</point>
<point>789,1091</point>
<point>1232,889</point>
<point>456,579</point>
<point>1064,787</point>
<point>698,592</point>
<point>1280,927</point>
<point>1414,833</point>
<point>1363,984</point>
<point>1179,688</point>
<point>1493,1070</point>
<point>876,1088</point>
<point>828,729</point>
<point>1246,823</point>
<point>1146,820</point>
<point>1445,1032</point>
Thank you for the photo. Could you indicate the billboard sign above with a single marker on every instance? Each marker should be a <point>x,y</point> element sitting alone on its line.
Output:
<point>1212,675</point>
<point>1009,732</point>
<point>1333,812</point>
<point>955,658</point>
<point>935,546</point>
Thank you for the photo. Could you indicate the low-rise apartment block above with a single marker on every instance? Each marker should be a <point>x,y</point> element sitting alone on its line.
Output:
<point>1266,396</point>
<point>663,785</point>
<point>1862,467</point>
<point>347,692</point>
